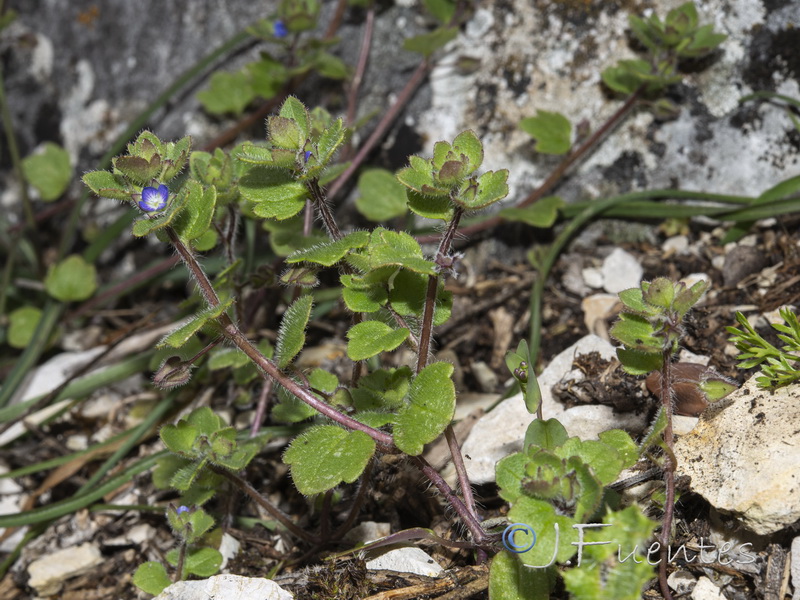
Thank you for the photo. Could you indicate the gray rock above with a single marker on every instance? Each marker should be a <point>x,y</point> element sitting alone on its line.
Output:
<point>225,587</point>
<point>706,590</point>
<point>743,456</point>
<point>501,431</point>
<point>621,271</point>
<point>406,560</point>
<point>681,581</point>
<point>48,574</point>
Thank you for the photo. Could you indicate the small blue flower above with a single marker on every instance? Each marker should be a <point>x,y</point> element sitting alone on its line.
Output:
<point>307,155</point>
<point>182,509</point>
<point>154,199</point>
<point>279,29</point>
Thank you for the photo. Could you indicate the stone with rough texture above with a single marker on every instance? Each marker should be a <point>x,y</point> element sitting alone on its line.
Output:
<point>406,560</point>
<point>795,567</point>
<point>501,431</point>
<point>681,581</point>
<point>743,456</point>
<point>49,573</point>
<point>225,587</point>
<point>621,271</point>
<point>706,590</point>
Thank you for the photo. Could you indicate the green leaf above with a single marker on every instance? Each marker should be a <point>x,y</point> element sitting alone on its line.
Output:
<point>625,447</point>
<point>71,280</point>
<point>22,325</point>
<point>328,254</point>
<point>419,178</point>
<point>227,93</point>
<point>365,300</point>
<point>151,577</point>
<point>180,438</point>
<point>382,389</point>
<point>203,562</point>
<point>107,185</point>
<point>539,214</point>
<point>181,335</point>
<point>381,197</point>
<point>636,333</point>
<point>639,363</point>
<point>369,338</point>
<point>431,406</point>
<point>291,410</point>
<point>49,171</point>
<point>510,580</point>
<point>442,10</point>
<point>195,219</point>
<point>398,249</point>
<point>492,187</point>
<point>551,130</point>
<point>430,207</point>
<point>295,110</point>
<point>292,332</point>
<point>330,141</point>
<point>327,455</point>
<point>275,193</point>
<point>469,145</point>
<point>548,435</point>
<point>510,471</point>
<point>284,133</point>
<point>542,517</point>
<point>408,292</point>
<point>622,79</point>
<point>428,43</point>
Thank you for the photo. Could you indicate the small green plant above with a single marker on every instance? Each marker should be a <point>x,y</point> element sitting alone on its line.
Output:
<point>650,328</point>
<point>778,365</point>
<point>191,527</point>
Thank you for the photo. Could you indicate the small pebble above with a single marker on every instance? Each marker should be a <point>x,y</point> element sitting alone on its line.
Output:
<point>621,271</point>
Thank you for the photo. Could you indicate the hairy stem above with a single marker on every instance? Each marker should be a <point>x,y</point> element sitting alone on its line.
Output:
<point>324,210</point>
<point>181,559</point>
<point>669,472</point>
<point>274,512</point>
<point>235,336</point>
<point>261,407</point>
<point>479,535</point>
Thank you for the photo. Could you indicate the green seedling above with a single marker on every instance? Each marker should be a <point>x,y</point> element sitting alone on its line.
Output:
<point>778,365</point>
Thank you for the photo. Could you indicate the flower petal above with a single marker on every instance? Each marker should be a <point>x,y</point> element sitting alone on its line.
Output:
<point>154,199</point>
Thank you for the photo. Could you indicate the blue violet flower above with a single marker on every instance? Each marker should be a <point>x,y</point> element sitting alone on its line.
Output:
<point>307,155</point>
<point>154,199</point>
<point>279,29</point>
<point>182,509</point>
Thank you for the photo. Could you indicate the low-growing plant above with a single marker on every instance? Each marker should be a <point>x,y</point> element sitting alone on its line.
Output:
<point>778,365</point>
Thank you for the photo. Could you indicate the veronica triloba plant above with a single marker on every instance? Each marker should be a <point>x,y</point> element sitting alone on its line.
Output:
<point>393,288</point>
<point>650,327</point>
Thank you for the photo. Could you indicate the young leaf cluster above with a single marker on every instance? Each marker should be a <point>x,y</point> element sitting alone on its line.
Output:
<point>778,365</point>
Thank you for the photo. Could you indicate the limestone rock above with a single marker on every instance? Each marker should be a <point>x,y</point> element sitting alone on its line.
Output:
<point>406,560</point>
<point>501,432</point>
<point>621,271</point>
<point>225,587</point>
<point>743,457</point>
<point>48,573</point>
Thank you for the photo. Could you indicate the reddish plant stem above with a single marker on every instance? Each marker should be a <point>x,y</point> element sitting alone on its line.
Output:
<point>234,335</point>
<point>320,201</point>
<point>181,560</point>
<point>274,512</point>
<point>560,170</point>
<point>419,75</point>
<point>669,472</point>
<point>261,407</point>
<point>479,535</point>
<point>361,67</point>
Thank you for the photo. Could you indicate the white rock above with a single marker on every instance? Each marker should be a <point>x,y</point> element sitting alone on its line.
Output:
<point>225,587</point>
<point>743,456</point>
<point>406,560</point>
<point>590,420</point>
<point>229,548</point>
<point>676,244</point>
<point>795,567</point>
<point>502,431</point>
<point>706,590</point>
<point>596,309</point>
<point>681,581</point>
<point>47,574</point>
<point>682,425</point>
<point>621,271</point>
<point>487,379</point>
<point>592,277</point>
